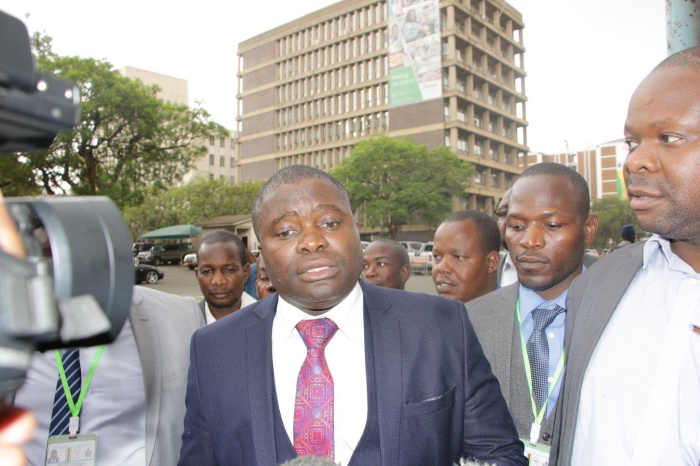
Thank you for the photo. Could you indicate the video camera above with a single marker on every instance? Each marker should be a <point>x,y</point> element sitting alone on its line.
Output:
<point>74,289</point>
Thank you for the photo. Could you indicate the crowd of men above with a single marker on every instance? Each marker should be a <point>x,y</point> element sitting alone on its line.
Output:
<point>531,352</point>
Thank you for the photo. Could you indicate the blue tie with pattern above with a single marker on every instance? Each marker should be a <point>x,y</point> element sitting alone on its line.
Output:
<point>60,414</point>
<point>538,351</point>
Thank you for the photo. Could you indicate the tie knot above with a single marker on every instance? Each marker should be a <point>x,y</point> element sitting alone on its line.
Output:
<point>543,317</point>
<point>316,333</point>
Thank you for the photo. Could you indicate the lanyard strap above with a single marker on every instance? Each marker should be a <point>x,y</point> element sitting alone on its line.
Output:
<point>557,373</point>
<point>75,408</point>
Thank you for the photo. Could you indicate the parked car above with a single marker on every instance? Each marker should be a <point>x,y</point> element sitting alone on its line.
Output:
<point>165,253</point>
<point>148,273</point>
<point>137,248</point>
<point>422,260</point>
<point>190,260</point>
<point>412,246</point>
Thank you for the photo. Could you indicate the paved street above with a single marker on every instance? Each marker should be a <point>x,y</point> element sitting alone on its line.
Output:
<point>180,280</point>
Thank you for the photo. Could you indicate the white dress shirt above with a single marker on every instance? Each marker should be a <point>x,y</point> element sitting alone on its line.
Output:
<point>640,399</point>
<point>345,355</point>
<point>509,274</point>
<point>246,299</point>
<point>114,407</point>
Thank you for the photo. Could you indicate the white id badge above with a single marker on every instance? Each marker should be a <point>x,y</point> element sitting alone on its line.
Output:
<point>537,455</point>
<point>78,450</point>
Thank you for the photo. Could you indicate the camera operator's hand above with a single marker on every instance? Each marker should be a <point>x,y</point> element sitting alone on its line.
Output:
<point>16,424</point>
<point>16,427</point>
<point>10,241</point>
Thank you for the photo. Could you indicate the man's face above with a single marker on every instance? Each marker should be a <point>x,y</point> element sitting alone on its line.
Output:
<point>663,134</point>
<point>462,270</point>
<point>221,276</point>
<point>383,267</point>
<point>501,213</point>
<point>546,233</point>
<point>310,244</point>
<point>263,285</point>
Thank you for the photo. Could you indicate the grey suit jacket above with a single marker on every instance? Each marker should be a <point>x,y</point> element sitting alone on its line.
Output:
<point>493,318</point>
<point>592,299</point>
<point>163,324</point>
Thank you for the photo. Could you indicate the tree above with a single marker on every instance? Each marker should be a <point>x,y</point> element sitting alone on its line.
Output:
<point>192,203</point>
<point>397,181</point>
<point>16,176</point>
<point>127,142</point>
<point>612,214</point>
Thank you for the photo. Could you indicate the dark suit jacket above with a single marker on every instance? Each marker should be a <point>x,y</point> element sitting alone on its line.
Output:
<point>592,299</point>
<point>437,399</point>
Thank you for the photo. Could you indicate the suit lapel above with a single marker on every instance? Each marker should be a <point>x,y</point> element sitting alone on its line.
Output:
<point>385,337</point>
<point>260,377</point>
<point>504,311</point>
<point>144,326</point>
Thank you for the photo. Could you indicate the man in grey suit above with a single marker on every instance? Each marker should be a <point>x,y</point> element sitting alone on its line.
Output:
<point>135,402</point>
<point>631,392</point>
<point>521,326</point>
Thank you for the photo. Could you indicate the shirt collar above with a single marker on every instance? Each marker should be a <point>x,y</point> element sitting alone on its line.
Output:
<point>348,315</point>
<point>657,252</point>
<point>530,300</point>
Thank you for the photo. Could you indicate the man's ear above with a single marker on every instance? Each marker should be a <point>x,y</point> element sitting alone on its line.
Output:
<point>591,228</point>
<point>492,260</point>
<point>405,272</point>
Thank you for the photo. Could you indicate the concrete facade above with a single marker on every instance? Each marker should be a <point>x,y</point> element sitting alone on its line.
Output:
<point>310,89</point>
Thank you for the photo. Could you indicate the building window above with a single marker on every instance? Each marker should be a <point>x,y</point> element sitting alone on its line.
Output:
<point>222,161</point>
<point>211,159</point>
<point>232,162</point>
<point>222,143</point>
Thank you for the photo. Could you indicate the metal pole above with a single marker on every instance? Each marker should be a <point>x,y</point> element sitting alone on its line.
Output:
<point>682,25</point>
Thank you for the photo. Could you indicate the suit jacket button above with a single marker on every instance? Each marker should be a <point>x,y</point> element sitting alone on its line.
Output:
<point>546,437</point>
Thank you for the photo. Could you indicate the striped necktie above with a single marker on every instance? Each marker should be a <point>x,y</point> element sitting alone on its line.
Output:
<point>61,412</point>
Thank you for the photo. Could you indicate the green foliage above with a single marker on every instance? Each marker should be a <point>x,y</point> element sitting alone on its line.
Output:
<point>192,203</point>
<point>128,143</point>
<point>397,182</point>
<point>16,176</point>
<point>612,214</point>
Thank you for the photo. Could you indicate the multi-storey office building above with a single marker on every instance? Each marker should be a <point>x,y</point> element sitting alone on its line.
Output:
<point>445,72</point>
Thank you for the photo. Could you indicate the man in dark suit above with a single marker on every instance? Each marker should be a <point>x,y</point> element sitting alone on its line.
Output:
<point>521,327</point>
<point>398,378</point>
<point>633,377</point>
<point>222,271</point>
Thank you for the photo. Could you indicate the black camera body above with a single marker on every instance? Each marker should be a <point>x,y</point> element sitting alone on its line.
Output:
<point>75,286</point>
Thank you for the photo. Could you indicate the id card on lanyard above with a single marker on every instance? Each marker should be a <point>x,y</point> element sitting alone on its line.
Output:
<point>537,454</point>
<point>74,448</point>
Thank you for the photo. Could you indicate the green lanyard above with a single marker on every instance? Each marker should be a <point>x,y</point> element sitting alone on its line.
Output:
<point>75,409</point>
<point>534,433</point>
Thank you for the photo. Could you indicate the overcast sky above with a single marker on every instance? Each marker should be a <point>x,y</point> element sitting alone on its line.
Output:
<point>584,58</point>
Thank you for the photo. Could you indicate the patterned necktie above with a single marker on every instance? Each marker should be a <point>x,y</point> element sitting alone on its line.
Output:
<point>313,407</point>
<point>60,414</point>
<point>538,351</point>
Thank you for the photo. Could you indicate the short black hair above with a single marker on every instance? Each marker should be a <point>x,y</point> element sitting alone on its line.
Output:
<point>557,169</point>
<point>290,175</point>
<point>224,237</point>
<point>399,248</point>
<point>486,228</point>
